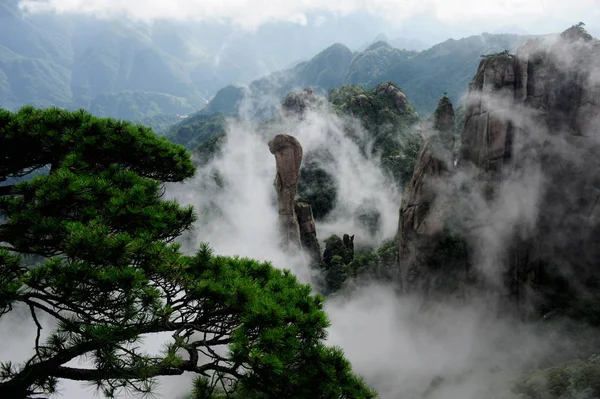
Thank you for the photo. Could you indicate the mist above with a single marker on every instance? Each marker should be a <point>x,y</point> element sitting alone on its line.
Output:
<point>403,346</point>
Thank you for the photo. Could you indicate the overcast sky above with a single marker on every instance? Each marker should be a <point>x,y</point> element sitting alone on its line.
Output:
<point>459,17</point>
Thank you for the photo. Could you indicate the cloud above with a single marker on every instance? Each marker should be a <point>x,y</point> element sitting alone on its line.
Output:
<point>446,351</point>
<point>450,350</point>
<point>250,14</point>
<point>241,219</point>
<point>319,20</point>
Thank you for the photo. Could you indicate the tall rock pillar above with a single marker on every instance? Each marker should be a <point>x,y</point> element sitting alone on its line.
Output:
<point>288,158</point>
<point>425,264</point>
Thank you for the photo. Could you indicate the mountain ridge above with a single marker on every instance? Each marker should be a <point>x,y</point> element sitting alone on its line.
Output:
<point>413,71</point>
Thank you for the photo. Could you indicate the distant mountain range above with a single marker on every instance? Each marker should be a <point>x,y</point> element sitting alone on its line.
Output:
<point>153,73</point>
<point>127,70</point>
<point>424,76</point>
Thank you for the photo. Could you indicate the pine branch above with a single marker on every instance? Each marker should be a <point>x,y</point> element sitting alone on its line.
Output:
<point>33,373</point>
<point>39,330</point>
<point>21,383</point>
<point>164,369</point>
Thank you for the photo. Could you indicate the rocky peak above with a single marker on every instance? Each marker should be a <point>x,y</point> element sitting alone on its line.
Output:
<point>288,158</point>
<point>296,103</point>
<point>443,122</point>
<point>297,224</point>
<point>529,210</point>
<point>487,133</point>
<point>391,91</point>
<point>421,230</point>
<point>575,33</point>
<point>443,117</point>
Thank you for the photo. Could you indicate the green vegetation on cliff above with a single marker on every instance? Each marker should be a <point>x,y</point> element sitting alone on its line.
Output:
<point>389,118</point>
<point>578,379</point>
<point>343,265</point>
<point>423,76</point>
<point>195,129</point>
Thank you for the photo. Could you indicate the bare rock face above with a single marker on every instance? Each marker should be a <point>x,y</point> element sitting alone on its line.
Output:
<point>288,158</point>
<point>296,103</point>
<point>308,232</point>
<point>297,223</point>
<point>487,130</point>
<point>531,208</point>
<point>363,100</point>
<point>421,231</point>
<point>400,100</point>
<point>443,121</point>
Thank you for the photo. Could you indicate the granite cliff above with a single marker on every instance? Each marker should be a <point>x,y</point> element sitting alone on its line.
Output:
<point>522,200</point>
<point>422,237</point>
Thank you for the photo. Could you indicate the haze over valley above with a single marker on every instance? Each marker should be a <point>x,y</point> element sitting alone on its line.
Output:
<point>216,199</point>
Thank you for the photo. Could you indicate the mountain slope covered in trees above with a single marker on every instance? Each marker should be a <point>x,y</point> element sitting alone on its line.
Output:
<point>134,71</point>
<point>76,61</point>
<point>424,76</point>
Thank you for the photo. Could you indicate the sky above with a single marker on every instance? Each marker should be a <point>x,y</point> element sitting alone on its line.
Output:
<point>431,19</point>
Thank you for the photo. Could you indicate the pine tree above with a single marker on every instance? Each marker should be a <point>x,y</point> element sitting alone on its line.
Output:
<point>108,272</point>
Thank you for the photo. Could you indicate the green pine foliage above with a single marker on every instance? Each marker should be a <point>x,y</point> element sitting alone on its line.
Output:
<point>108,273</point>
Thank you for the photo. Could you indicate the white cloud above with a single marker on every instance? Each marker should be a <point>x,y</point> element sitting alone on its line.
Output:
<point>253,13</point>
<point>320,20</point>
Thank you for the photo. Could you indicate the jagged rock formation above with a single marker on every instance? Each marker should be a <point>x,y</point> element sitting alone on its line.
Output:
<point>288,158</point>
<point>487,134</point>
<point>296,103</point>
<point>423,238</point>
<point>308,232</point>
<point>389,90</point>
<point>549,135</point>
<point>531,206</point>
<point>296,219</point>
<point>443,122</point>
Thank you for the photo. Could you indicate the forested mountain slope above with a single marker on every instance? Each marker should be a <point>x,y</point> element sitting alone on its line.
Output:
<point>424,76</point>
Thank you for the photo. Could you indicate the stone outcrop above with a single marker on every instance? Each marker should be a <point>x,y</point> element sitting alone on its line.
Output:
<point>443,122</point>
<point>529,187</point>
<point>400,100</point>
<point>487,134</point>
<point>296,103</point>
<point>541,122</point>
<point>288,158</point>
<point>297,224</point>
<point>308,232</point>
<point>422,234</point>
